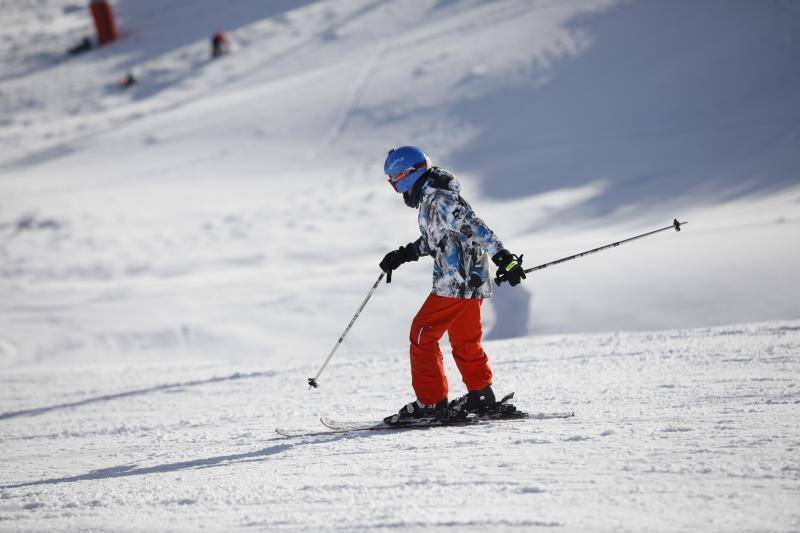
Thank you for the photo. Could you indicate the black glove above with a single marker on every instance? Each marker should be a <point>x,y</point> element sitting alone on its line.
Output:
<point>509,268</point>
<point>395,258</point>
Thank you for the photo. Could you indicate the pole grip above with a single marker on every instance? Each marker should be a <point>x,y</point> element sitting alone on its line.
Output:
<point>389,277</point>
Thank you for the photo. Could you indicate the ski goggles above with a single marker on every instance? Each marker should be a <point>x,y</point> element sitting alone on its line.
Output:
<point>403,174</point>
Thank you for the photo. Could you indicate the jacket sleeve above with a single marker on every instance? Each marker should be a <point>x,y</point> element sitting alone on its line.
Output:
<point>449,215</point>
<point>421,247</point>
<point>479,233</point>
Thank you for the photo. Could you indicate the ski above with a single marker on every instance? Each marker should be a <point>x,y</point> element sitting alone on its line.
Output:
<point>334,427</point>
<point>504,412</point>
<point>423,423</point>
<point>471,420</point>
<point>337,427</point>
<point>297,433</point>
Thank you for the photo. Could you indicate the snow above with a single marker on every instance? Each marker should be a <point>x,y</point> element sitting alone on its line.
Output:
<point>675,430</point>
<point>178,258</point>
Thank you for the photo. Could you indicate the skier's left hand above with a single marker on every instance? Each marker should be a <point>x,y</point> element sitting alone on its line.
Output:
<point>509,268</point>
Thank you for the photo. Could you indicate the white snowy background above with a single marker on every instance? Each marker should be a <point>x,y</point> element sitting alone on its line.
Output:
<point>176,259</point>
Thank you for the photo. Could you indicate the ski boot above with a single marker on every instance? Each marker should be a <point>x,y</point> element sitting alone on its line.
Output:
<point>483,405</point>
<point>418,411</point>
<point>479,402</point>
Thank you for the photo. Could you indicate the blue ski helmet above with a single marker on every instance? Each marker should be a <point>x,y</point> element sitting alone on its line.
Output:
<point>404,166</point>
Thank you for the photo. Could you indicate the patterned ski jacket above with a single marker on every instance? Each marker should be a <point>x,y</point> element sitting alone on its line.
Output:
<point>459,242</point>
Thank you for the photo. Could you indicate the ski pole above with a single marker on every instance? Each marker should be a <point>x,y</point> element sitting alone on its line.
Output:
<point>675,225</point>
<point>312,382</point>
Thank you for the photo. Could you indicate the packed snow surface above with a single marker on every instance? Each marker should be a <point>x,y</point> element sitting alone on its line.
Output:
<point>684,430</point>
<point>177,258</point>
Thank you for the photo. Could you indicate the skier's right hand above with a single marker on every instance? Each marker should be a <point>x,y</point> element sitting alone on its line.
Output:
<point>509,268</point>
<point>395,258</point>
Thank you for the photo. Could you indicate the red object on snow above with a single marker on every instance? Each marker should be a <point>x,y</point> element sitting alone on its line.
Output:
<point>104,21</point>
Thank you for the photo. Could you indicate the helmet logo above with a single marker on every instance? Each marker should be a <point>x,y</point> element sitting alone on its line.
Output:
<point>398,162</point>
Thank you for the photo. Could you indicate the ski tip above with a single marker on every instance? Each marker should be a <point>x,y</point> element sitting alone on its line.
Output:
<point>545,416</point>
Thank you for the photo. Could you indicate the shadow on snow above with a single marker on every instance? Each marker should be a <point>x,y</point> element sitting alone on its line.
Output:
<point>127,470</point>
<point>670,102</point>
<point>135,392</point>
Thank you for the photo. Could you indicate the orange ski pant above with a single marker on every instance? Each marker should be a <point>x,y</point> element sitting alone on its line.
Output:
<point>461,319</point>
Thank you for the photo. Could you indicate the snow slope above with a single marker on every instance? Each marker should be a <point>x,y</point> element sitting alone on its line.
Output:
<point>234,199</point>
<point>176,259</point>
<point>681,430</point>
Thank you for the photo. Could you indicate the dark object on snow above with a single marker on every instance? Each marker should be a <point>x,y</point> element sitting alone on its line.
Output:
<point>84,46</point>
<point>34,223</point>
<point>219,45</point>
<point>104,21</point>
<point>127,81</point>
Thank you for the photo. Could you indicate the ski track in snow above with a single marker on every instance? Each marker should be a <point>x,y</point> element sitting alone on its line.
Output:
<point>674,430</point>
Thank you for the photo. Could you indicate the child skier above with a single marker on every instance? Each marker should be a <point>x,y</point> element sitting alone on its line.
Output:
<point>459,243</point>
